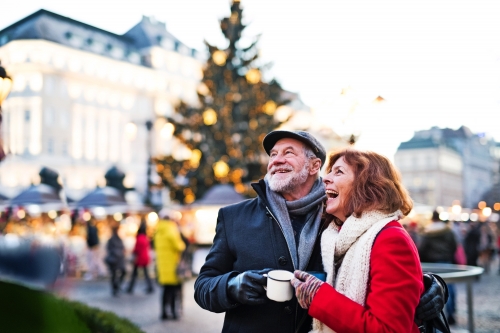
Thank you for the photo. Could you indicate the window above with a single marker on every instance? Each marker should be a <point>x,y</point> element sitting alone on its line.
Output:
<point>27,115</point>
<point>49,116</point>
<point>50,146</point>
<point>65,148</point>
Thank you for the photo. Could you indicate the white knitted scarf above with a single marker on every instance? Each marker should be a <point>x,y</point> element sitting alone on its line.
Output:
<point>354,243</point>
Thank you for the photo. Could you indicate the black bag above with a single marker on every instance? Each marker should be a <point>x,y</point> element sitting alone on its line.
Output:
<point>438,324</point>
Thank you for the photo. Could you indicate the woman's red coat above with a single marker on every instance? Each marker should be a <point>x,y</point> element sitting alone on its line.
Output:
<point>394,289</point>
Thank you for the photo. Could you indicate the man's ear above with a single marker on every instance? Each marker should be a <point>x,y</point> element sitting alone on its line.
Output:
<point>315,167</point>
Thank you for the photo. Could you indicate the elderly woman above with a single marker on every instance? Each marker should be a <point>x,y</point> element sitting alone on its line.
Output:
<point>374,277</point>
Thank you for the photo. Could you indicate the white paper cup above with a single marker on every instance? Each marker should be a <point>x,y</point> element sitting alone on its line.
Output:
<point>279,288</point>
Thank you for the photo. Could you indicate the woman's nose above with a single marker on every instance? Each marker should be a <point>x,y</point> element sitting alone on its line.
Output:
<point>326,179</point>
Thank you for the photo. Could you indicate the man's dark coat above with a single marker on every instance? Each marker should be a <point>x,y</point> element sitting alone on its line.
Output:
<point>249,238</point>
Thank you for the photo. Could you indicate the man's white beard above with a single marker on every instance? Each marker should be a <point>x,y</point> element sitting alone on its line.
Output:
<point>291,182</point>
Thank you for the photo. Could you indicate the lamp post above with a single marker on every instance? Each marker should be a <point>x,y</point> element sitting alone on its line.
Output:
<point>149,127</point>
<point>5,86</point>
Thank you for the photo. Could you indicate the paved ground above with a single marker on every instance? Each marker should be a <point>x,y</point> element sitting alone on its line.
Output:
<point>143,309</point>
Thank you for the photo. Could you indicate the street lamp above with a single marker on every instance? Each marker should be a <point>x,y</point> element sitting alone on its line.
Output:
<point>5,86</point>
<point>149,126</point>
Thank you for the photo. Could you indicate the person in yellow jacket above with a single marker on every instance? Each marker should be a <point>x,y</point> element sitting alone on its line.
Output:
<point>168,246</point>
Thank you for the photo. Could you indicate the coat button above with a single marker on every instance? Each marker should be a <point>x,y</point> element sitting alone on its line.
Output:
<point>287,310</point>
<point>282,260</point>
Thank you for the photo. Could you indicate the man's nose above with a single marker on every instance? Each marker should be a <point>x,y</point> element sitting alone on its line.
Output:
<point>278,159</point>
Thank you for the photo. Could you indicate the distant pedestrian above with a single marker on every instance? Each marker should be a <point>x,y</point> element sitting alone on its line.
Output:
<point>438,244</point>
<point>115,259</point>
<point>94,267</point>
<point>141,258</point>
<point>169,247</point>
<point>486,246</point>
<point>412,230</point>
<point>471,243</point>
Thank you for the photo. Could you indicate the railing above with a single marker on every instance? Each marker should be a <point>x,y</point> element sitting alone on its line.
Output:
<point>458,273</point>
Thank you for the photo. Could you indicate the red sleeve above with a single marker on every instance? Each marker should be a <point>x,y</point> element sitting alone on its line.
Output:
<point>394,289</point>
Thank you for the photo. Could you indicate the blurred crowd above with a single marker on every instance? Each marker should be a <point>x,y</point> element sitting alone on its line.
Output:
<point>476,242</point>
<point>157,253</point>
<point>455,242</point>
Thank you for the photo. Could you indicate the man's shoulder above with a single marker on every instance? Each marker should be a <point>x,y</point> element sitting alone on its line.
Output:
<point>245,204</point>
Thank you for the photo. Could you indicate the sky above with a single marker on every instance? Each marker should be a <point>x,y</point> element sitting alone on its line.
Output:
<point>435,63</point>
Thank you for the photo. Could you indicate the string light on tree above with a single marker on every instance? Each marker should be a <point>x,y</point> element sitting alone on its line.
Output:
<point>209,117</point>
<point>253,76</point>
<point>219,58</point>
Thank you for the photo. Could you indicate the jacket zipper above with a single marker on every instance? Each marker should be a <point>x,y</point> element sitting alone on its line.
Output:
<point>287,245</point>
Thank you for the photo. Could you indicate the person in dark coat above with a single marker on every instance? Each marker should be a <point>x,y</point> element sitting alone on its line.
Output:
<point>279,229</point>
<point>471,243</point>
<point>438,245</point>
<point>115,259</point>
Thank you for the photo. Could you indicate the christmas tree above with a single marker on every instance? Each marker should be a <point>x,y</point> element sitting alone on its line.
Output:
<point>225,132</point>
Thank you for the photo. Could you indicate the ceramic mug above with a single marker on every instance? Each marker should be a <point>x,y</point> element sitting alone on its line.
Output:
<point>279,288</point>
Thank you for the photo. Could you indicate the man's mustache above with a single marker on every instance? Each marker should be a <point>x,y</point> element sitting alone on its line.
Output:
<point>281,168</point>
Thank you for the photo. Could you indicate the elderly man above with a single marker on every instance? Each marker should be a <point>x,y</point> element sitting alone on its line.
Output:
<point>279,229</point>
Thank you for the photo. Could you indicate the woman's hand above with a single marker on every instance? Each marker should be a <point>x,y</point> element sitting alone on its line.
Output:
<point>306,287</point>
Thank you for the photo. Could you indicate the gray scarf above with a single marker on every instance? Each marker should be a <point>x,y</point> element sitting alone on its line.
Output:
<point>312,206</point>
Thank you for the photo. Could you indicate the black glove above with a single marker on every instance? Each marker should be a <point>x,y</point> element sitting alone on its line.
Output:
<point>248,287</point>
<point>433,299</point>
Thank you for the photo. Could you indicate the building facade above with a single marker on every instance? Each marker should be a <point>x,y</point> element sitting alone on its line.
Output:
<point>82,97</point>
<point>441,167</point>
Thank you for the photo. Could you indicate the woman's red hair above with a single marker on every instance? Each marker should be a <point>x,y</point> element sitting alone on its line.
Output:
<point>377,184</point>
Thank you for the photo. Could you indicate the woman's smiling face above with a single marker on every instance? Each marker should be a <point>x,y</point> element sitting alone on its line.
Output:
<point>338,184</point>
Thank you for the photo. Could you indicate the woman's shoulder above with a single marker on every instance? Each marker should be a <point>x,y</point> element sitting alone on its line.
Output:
<point>392,232</point>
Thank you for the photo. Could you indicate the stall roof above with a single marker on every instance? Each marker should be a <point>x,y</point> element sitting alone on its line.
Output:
<point>36,195</point>
<point>102,197</point>
<point>222,194</point>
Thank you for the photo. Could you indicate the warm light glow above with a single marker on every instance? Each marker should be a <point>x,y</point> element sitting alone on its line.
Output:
<point>219,57</point>
<point>473,217</point>
<point>481,204</point>
<point>496,206</point>
<point>167,131</point>
<point>195,158</point>
<point>152,217</point>
<point>443,216</point>
<point>464,216</point>
<point>203,89</point>
<point>99,212</point>
<point>282,113</point>
<point>240,188</point>
<point>86,216</point>
<point>253,76</point>
<point>118,216</point>
<point>131,131</point>
<point>269,107</point>
<point>209,117</point>
<point>52,214</point>
<point>456,209</point>
<point>21,214</point>
<point>33,210</point>
<point>486,211</point>
<point>5,86</point>
<point>221,169</point>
